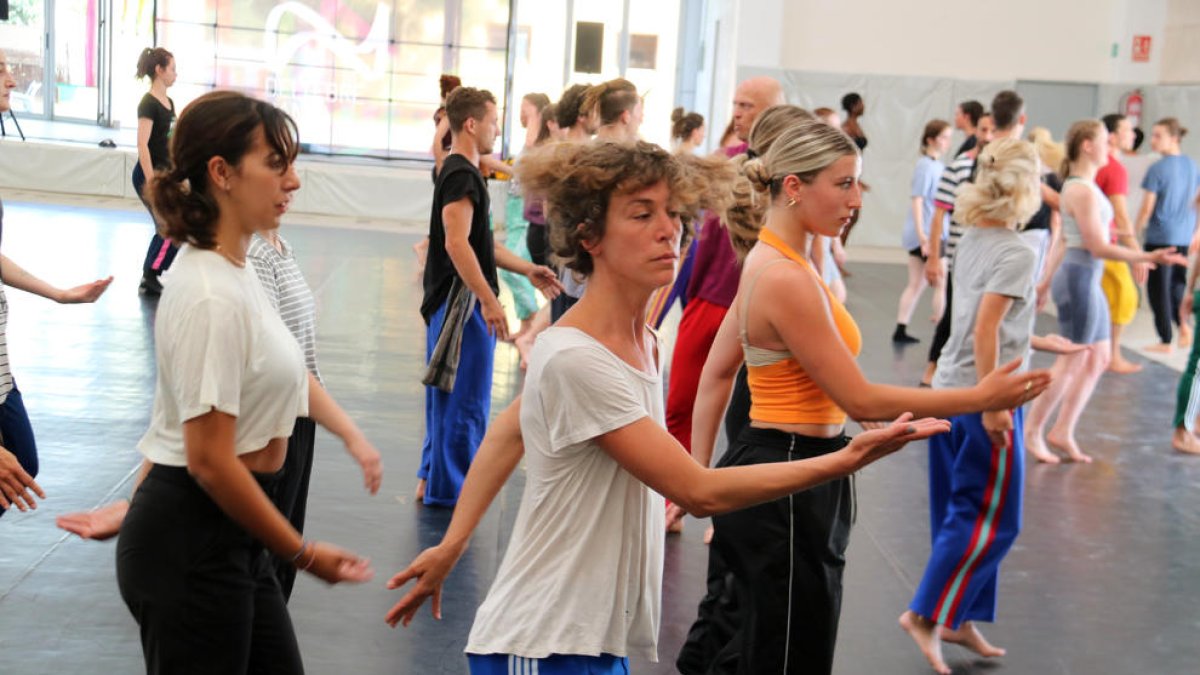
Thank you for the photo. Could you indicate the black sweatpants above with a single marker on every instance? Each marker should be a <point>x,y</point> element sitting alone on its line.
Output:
<point>203,592</point>
<point>1165,288</point>
<point>291,495</point>
<point>786,560</point>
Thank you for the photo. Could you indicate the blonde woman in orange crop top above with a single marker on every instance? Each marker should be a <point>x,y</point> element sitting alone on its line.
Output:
<point>799,345</point>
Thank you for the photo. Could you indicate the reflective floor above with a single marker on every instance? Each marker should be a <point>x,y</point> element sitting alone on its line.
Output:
<point>1105,577</point>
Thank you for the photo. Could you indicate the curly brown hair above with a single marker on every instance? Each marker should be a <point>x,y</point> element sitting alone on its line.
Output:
<point>578,181</point>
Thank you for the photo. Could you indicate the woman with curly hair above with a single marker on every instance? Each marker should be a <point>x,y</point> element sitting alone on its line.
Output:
<point>590,427</point>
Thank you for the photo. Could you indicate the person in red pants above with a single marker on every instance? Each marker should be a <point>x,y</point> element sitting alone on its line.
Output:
<point>714,275</point>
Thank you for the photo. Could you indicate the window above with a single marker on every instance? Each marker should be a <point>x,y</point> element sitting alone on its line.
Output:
<point>359,76</point>
<point>643,51</point>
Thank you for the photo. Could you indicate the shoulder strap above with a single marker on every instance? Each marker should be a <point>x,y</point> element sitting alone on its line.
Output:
<point>745,308</point>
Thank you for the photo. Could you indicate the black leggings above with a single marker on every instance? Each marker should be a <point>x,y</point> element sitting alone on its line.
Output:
<point>763,566</point>
<point>202,591</point>
<point>1165,288</point>
<point>942,334</point>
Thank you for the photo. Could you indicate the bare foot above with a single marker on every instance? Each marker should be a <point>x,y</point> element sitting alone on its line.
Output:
<point>923,632</point>
<point>1068,445</point>
<point>708,535</point>
<point>1123,366</point>
<point>1185,441</point>
<point>969,636</point>
<point>420,493</point>
<point>1160,348</point>
<point>1037,448</point>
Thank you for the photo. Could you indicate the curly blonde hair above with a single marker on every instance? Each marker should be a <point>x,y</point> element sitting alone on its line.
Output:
<point>577,181</point>
<point>1050,152</point>
<point>1007,187</point>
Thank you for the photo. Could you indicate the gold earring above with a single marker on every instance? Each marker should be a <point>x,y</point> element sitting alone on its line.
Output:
<point>791,202</point>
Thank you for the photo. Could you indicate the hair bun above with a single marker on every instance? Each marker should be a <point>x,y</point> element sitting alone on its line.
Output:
<point>756,172</point>
<point>677,114</point>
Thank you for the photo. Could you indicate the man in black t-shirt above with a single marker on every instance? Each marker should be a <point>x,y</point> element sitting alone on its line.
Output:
<point>462,250</point>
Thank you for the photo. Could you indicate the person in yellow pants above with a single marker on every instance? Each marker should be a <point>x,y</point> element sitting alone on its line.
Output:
<point>1118,281</point>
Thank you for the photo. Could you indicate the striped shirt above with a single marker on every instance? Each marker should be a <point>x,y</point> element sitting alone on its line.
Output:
<point>6,380</point>
<point>960,171</point>
<point>288,293</point>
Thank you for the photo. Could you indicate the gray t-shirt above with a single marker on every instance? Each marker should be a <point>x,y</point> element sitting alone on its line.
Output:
<point>989,260</point>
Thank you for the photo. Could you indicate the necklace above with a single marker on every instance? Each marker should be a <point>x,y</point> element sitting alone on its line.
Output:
<point>239,262</point>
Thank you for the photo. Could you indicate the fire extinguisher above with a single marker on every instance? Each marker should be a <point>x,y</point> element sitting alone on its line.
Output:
<point>1132,107</point>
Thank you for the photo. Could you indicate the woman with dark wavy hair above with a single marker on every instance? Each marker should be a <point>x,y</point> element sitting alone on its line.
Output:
<point>195,559</point>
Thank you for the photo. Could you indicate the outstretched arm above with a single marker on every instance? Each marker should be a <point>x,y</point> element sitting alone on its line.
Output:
<point>498,456</point>
<point>18,278</point>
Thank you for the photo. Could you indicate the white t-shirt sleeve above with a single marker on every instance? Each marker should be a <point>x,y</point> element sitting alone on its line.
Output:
<point>206,360</point>
<point>584,394</point>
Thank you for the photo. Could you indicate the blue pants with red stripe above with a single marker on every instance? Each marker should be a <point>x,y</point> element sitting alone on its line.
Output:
<point>975,493</point>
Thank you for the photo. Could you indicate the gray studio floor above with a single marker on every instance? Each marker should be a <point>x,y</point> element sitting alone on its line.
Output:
<point>1105,577</point>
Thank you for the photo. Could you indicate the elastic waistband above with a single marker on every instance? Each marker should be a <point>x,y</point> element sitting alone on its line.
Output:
<point>809,446</point>
<point>178,475</point>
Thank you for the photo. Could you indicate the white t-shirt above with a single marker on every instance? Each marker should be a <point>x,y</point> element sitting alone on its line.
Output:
<point>583,570</point>
<point>221,345</point>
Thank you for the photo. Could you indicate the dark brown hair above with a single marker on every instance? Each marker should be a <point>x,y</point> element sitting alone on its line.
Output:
<point>608,100</point>
<point>1007,108</point>
<point>569,106</point>
<point>448,83</point>
<point>218,124</point>
<point>684,123</point>
<point>579,180</point>
<point>467,103</point>
<point>150,59</point>
<point>548,113</point>
<point>1173,127</point>
<point>973,110</point>
<point>933,129</point>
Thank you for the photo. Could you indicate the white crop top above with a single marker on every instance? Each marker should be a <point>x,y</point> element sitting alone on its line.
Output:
<point>220,345</point>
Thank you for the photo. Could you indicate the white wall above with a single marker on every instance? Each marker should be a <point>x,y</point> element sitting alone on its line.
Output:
<point>1063,40</point>
<point>1181,48</point>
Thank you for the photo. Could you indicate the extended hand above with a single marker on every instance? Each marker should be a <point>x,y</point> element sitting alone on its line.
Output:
<point>430,569</point>
<point>99,524</point>
<point>1004,389</point>
<point>876,444</point>
<point>1168,256</point>
<point>85,293</point>
<point>334,565</point>
<point>16,486</point>
<point>545,280</point>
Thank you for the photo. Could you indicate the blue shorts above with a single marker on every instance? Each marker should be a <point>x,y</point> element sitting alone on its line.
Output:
<point>555,664</point>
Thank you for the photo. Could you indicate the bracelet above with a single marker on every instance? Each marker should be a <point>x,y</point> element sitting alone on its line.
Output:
<point>304,544</point>
<point>312,559</point>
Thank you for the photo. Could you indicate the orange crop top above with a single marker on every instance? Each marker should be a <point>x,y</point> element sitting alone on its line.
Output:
<point>780,391</point>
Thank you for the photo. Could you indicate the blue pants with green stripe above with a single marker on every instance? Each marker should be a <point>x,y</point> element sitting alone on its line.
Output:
<point>975,493</point>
